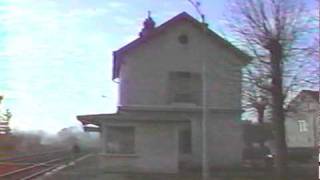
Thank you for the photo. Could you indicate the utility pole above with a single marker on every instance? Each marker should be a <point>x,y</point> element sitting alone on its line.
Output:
<point>205,162</point>
<point>205,165</point>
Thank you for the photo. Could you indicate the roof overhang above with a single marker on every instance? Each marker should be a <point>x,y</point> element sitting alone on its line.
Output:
<point>98,119</point>
<point>94,119</point>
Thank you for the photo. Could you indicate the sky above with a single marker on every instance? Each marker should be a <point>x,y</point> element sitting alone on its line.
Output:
<point>56,55</point>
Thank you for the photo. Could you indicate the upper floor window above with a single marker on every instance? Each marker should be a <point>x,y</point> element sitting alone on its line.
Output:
<point>184,87</point>
<point>302,124</point>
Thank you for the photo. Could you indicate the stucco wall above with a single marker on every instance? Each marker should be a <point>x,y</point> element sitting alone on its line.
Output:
<point>224,139</point>
<point>144,83</point>
<point>295,138</point>
<point>303,107</point>
<point>144,73</point>
<point>156,149</point>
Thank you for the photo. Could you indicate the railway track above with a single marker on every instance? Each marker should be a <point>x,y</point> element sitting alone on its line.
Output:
<point>32,166</point>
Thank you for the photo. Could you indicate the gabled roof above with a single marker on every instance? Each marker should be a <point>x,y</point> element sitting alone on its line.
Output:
<point>313,94</point>
<point>118,55</point>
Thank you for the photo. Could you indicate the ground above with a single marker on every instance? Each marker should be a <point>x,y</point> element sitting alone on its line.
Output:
<point>87,168</point>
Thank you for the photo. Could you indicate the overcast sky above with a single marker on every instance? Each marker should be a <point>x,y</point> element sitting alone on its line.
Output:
<point>56,55</point>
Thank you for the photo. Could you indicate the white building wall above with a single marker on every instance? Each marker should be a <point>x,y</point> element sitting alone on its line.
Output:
<point>224,139</point>
<point>144,73</point>
<point>307,110</point>
<point>295,138</point>
<point>156,149</point>
<point>144,82</point>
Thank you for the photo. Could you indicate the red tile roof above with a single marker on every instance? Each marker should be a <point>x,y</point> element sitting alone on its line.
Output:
<point>313,94</point>
<point>299,97</point>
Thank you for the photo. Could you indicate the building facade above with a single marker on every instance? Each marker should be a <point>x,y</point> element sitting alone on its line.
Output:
<point>302,121</point>
<point>168,76</point>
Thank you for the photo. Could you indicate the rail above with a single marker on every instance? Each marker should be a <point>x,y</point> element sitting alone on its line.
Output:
<point>31,171</point>
<point>35,165</point>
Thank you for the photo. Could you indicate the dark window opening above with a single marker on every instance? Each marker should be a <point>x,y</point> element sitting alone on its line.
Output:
<point>120,140</point>
<point>184,87</point>
<point>183,39</point>
<point>185,141</point>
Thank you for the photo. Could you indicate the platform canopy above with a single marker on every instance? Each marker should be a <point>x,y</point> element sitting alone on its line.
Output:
<point>98,119</point>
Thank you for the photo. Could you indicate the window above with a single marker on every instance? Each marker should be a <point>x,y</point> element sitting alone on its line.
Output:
<point>120,139</point>
<point>184,87</point>
<point>185,141</point>
<point>183,39</point>
<point>302,124</point>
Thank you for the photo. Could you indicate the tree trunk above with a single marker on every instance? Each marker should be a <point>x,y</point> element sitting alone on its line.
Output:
<point>260,109</point>
<point>278,117</point>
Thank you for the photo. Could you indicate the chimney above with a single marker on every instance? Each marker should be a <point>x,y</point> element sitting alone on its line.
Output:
<point>148,25</point>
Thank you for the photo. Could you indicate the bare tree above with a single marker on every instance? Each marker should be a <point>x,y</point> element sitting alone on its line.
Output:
<point>275,32</point>
<point>5,123</point>
<point>314,49</point>
<point>4,120</point>
<point>255,95</point>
